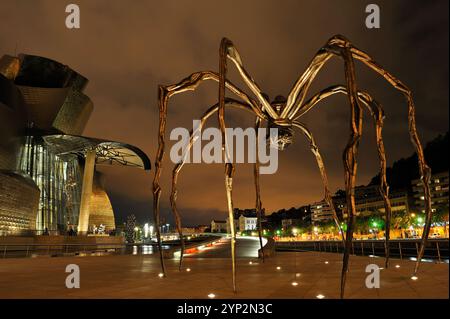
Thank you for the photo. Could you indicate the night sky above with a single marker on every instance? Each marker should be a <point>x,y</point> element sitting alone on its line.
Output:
<point>127,48</point>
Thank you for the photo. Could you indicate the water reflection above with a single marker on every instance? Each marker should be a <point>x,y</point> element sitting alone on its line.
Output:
<point>144,249</point>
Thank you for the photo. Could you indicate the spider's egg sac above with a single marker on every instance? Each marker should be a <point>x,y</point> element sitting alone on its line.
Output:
<point>284,138</point>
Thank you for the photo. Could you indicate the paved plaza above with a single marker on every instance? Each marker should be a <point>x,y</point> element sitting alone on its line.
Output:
<point>285,275</point>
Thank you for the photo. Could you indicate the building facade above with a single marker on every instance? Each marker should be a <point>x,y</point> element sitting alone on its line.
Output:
<point>321,212</point>
<point>438,190</point>
<point>245,220</point>
<point>45,162</point>
<point>368,202</point>
<point>218,226</point>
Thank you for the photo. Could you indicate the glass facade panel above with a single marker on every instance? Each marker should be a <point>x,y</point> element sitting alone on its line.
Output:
<point>59,180</point>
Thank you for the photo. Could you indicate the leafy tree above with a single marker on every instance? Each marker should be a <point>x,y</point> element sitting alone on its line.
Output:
<point>129,231</point>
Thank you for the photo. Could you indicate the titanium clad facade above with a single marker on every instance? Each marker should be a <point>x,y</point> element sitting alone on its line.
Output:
<point>19,200</point>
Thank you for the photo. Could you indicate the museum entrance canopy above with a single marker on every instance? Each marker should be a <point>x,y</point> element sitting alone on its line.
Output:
<point>107,152</point>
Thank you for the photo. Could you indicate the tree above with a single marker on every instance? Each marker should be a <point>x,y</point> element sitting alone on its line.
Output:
<point>129,231</point>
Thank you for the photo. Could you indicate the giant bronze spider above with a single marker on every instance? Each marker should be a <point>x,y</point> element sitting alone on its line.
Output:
<point>284,114</point>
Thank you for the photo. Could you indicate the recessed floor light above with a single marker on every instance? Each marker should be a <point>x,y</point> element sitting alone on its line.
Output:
<point>397,266</point>
<point>297,274</point>
<point>211,296</point>
<point>160,275</point>
<point>414,277</point>
<point>250,262</point>
<point>294,283</point>
<point>188,269</point>
<point>326,262</point>
<point>320,296</point>
<point>278,268</point>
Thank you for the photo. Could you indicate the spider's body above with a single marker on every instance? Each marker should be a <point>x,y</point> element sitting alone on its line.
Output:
<point>283,114</point>
<point>285,136</point>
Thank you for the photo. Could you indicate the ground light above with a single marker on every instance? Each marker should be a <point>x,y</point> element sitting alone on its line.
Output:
<point>326,262</point>
<point>188,269</point>
<point>211,296</point>
<point>278,268</point>
<point>397,266</point>
<point>414,277</point>
<point>294,283</point>
<point>160,275</point>
<point>297,275</point>
<point>320,296</point>
<point>250,262</point>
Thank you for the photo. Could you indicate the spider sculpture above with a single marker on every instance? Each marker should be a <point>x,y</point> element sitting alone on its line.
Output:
<point>284,114</point>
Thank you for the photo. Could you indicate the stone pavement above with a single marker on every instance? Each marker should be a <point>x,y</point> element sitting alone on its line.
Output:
<point>136,276</point>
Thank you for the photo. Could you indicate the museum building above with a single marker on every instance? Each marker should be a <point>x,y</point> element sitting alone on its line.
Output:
<point>48,179</point>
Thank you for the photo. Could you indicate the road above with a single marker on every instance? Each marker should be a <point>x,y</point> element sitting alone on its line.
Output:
<point>246,247</point>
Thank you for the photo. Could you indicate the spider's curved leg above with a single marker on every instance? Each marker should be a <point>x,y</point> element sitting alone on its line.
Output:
<point>299,91</point>
<point>378,116</point>
<point>351,150</point>
<point>334,46</point>
<point>323,173</point>
<point>229,171</point>
<point>377,112</point>
<point>349,158</point>
<point>177,169</point>
<point>190,83</point>
<point>425,171</point>
<point>258,204</point>
<point>228,50</point>
<point>229,167</point>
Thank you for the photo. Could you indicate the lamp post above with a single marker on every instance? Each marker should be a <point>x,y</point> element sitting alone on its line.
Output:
<point>146,230</point>
<point>151,231</point>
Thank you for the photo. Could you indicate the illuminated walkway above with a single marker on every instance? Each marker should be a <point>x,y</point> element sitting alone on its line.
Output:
<point>246,247</point>
<point>128,276</point>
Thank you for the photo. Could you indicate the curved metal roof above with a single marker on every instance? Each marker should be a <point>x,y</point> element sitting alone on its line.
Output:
<point>107,152</point>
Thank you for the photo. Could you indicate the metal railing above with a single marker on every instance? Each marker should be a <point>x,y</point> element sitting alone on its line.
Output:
<point>73,249</point>
<point>436,249</point>
<point>28,250</point>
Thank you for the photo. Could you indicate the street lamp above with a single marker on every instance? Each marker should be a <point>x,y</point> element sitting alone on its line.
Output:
<point>316,232</point>
<point>145,230</point>
<point>151,231</point>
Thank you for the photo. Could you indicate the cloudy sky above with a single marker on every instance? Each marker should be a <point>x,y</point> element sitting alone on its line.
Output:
<point>126,48</point>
